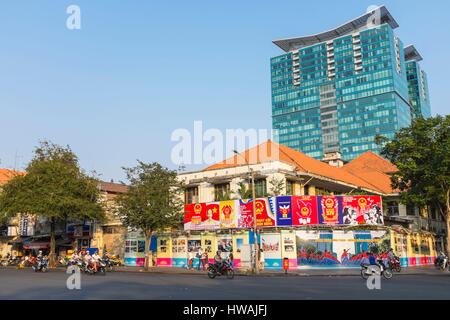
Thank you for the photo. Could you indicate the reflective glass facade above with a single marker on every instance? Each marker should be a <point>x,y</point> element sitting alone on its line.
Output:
<point>419,98</point>
<point>339,94</point>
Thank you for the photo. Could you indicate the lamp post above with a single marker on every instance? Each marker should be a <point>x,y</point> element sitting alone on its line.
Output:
<point>255,234</point>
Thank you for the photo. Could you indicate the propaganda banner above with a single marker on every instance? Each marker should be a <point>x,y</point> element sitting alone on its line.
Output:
<point>284,211</point>
<point>228,214</point>
<point>245,214</point>
<point>330,210</point>
<point>304,210</point>
<point>362,210</point>
<point>201,216</point>
<point>265,212</point>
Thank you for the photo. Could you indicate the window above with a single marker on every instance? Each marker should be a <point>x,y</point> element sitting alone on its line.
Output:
<point>410,210</point>
<point>220,189</point>
<point>111,230</point>
<point>392,208</point>
<point>306,190</point>
<point>191,195</point>
<point>289,187</point>
<point>260,188</point>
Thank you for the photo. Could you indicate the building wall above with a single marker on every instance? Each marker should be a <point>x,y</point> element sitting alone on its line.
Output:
<point>304,248</point>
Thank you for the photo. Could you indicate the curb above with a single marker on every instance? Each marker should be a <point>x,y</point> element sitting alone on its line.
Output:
<point>267,275</point>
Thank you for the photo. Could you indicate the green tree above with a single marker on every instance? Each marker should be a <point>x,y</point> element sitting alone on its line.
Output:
<point>153,202</point>
<point>421,153</point>
<point>243,191</point>
<point>54,187</point>
<point>277,187</point>
<point>224,196</point>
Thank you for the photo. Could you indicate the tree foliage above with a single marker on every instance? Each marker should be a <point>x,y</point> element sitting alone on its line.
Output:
<point>53,187</point>
<point>153,201</point>
<point>421,153</point>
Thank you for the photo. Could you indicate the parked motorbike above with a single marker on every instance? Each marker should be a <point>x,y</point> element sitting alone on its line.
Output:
<point>227,270</point>
<point>40,264</point>
<point>367,270</point>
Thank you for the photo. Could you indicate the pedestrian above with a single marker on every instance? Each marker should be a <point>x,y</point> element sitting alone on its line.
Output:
<point>190,259</point>
<point>204,260</point>
<point>199,257</point>
<point>231,259</point>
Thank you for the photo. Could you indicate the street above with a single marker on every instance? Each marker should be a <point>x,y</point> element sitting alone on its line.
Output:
<point>25,284</point>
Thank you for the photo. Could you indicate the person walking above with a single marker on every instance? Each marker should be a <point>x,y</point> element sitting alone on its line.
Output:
<point>199,257</point>
<point>190,260</point>
<point>231,259</point>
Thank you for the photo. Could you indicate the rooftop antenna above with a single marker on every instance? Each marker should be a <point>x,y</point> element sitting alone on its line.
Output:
<point>16,158</point>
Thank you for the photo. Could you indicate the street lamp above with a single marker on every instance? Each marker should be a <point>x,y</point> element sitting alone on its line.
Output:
<point>255,235</point>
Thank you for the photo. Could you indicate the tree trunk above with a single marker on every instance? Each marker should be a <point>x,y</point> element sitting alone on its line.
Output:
<point>51,256</point>
<point>148,258</point>
<point>448,234</point>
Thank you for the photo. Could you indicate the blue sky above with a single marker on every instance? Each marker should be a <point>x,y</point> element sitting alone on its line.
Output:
<point>116,89</point>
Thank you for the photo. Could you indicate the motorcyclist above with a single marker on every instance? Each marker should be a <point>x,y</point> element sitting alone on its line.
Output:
<point>95,260</point>
<point>87,259</point>
<point>391,254</point>
<point>218,262</point>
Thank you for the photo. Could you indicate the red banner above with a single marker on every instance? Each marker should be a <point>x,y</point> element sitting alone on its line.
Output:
<point>201,216</point>
<point>245,215</point>
<point>304,210</point>
<point>265,215</point>
<point>362,210</point>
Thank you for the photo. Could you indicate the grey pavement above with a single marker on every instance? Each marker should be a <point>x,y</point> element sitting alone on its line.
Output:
<point>25,284</point>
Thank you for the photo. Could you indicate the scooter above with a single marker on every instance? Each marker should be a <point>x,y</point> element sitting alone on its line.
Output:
<point>226,270</point>
<point>394,264</point>
<point>441,261</point>
<point>368,270</point>
<point>40,264</point>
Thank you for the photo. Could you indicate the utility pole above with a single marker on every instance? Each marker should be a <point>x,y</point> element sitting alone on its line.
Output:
<point>255,228</point>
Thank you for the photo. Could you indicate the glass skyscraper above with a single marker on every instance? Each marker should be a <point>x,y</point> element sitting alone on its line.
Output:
<point>335,91</point>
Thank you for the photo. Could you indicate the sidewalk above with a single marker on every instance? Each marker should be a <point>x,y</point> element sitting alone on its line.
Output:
<point>420,270</point>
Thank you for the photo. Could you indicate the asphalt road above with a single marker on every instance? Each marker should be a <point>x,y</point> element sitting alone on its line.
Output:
<point>25,284</point>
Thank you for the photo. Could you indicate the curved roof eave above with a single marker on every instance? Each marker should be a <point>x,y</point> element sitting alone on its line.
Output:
<point>290,43</point>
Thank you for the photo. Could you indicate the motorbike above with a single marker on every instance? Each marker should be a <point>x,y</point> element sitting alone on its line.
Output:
<point>367,270</point>
<point>394,264</point>
<point>40,264</point>
<point>227,270</point>
<point>109,264</point>
<point>101,268</point>
<point>441,261</point>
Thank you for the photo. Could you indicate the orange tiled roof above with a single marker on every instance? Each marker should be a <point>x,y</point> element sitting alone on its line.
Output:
<point>368,171</point>
<point>374,169</point>
<point>113,187</point>
<point>6,175</point>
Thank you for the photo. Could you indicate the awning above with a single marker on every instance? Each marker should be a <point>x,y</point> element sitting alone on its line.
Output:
<point>36,245</point>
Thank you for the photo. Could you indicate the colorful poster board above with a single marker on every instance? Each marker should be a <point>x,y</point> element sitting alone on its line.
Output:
<point>228,213</point>
<point>271,250</point>
<point>284,211</point>
<point>362,210</point>
<point>202,216</point>
<point>245,216</point>
<point>330,210</point>
<point>265,212</point>
<point>304,210</point>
